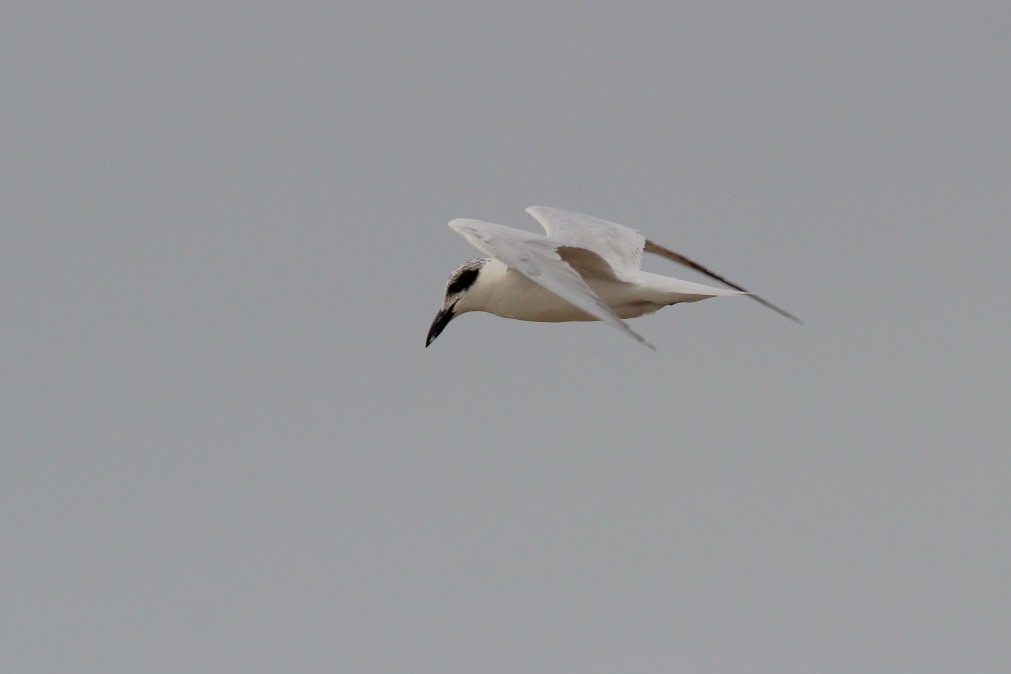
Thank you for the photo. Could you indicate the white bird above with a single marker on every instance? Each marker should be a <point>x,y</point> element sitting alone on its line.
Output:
<point>584,269</point>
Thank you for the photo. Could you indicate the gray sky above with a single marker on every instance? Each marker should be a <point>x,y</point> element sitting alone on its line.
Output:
<point>225,449</point>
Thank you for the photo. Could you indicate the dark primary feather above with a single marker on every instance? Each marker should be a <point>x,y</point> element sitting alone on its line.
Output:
<point>657,249</point>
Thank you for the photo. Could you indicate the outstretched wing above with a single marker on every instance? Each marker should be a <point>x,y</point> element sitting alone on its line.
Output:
<point>691,264</point>
<point>620,246</point>
<point>537,258</point>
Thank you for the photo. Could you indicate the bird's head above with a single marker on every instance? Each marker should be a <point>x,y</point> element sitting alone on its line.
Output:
<point>454,304</point>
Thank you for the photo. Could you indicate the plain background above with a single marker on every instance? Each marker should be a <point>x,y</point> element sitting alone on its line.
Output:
<point>225,449</point>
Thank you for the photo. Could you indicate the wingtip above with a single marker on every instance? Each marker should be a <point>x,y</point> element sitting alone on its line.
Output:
<point>639,338</point>
<point>782,312</point>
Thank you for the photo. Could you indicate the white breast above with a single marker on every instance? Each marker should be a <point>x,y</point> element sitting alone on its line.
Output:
<point>505,292</point>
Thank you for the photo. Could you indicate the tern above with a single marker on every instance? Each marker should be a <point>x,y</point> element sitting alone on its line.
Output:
<point>582,269</point>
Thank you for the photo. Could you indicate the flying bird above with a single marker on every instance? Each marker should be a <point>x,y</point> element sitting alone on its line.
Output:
<point>582,269</point>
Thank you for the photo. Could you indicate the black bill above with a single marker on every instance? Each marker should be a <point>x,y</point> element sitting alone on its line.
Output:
<point>442,319</point>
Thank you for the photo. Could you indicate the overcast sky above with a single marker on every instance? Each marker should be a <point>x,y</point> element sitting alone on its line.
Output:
<point>226,449</point>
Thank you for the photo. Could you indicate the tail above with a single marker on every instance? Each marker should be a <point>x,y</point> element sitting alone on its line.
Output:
<point>686,291</point>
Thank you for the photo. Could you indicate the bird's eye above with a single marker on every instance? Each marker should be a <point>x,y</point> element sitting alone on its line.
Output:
<point>463,281</point>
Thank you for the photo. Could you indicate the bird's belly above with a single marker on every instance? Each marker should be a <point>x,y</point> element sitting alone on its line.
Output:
<point>522,299</point>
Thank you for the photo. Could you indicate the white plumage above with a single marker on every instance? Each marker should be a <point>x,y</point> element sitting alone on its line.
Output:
<point>582,269</point>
